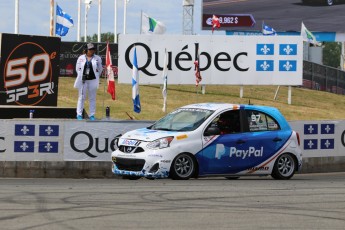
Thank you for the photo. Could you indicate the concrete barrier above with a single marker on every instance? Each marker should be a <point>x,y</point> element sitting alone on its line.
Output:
<point>101,169</point>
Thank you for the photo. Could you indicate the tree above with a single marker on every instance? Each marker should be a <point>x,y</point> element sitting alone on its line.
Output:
<point>104,37</point>
<point>331,54</point>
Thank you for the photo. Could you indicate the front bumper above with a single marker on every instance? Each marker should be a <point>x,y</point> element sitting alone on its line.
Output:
<point>142,165</point>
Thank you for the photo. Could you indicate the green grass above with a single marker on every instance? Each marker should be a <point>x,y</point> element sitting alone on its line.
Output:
<point>306,104</point>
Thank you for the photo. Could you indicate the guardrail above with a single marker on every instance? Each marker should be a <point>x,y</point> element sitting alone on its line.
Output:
<point>324,78</point>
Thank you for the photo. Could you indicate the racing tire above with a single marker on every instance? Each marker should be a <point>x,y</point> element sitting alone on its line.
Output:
<point>284,167</point>
<point>131,177</point>
<point>329,2</point>
<point>182,167</point>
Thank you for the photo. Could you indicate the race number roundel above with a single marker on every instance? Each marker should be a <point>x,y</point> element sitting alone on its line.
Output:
<point>28,74</point>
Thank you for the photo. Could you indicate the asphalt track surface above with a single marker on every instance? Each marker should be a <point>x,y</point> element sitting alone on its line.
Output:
<point>282,15</point>
<point>308,201</point>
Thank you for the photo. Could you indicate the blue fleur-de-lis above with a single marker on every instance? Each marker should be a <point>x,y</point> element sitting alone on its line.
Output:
<point>265,49</point>
<point>288,49</point>
<point>265,66</point>
<point>287,66</point>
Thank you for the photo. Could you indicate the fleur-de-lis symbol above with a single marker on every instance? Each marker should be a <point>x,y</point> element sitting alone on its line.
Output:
<point>265,66</point>
<point>288,49</point>
<point>48,147</point>
<point>49,130</point>
<point>265,49</point>
<point>287,66</point>
<point>24,146</point>
<point>25,130</point>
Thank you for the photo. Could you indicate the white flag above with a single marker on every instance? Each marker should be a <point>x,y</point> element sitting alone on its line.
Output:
<point>308,36</point>
<point>151,26</point>
<point>165,82</point>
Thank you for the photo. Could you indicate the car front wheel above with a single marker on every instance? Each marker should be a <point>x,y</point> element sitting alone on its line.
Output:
<point>284,168</point>
<point>329,2</point>
<point>183,167</point>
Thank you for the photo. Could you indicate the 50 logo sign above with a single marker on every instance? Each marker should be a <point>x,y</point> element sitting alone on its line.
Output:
<point>30,72</point>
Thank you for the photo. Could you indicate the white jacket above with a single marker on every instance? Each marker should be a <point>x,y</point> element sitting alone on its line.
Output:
<point>96,66</point>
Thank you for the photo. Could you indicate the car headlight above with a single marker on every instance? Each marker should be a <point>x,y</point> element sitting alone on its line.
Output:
<point>160,143</point>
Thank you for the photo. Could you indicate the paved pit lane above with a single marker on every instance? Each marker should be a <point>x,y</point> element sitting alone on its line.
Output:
<point>308,201</point>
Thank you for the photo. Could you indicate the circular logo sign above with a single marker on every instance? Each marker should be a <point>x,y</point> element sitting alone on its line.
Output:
<point>28,74</point>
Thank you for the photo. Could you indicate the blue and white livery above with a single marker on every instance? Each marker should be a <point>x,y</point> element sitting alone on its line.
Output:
<point>211,139</point>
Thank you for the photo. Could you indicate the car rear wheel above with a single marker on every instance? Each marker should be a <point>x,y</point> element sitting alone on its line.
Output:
<point>284,168</point>
<point>183,167</point>
<point>329,2</point>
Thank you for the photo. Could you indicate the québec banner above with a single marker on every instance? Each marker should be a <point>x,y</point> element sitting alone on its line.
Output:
<point>231,60</point>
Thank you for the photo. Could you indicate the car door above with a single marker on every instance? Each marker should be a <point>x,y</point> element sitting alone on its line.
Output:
<point>258,137</point>
<point>215,155</point>
<point>261,139</point>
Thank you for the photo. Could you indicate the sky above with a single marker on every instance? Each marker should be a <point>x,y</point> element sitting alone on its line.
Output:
<point>34,16</point>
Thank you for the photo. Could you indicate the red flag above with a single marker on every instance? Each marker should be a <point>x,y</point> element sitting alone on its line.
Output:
<point>197,69</point>
<point>215,22</point>
<point>110,73</point>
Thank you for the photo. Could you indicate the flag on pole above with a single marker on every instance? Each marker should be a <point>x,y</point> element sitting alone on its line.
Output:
<point>151,26</point>
<point>63,22</point>
<point>165,82</point>
<point>308,36</point>
<point>197,68</point>
<point>110,73</point>
<point>135,84</point>
<point>88,4</point>
<point>215,22</point>
<point>267,30</point>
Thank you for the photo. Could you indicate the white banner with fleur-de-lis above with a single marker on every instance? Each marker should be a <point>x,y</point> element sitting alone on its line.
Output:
<point>232,60</point>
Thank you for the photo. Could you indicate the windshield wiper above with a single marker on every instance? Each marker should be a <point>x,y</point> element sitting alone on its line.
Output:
<point>164,129</point>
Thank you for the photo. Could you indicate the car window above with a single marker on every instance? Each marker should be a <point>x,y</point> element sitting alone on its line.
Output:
<point>228,122</point>
<point>259,121</point>
<point>186,119</point>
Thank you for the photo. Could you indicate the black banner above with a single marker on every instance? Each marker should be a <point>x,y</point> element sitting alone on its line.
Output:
<point>30,70</point>
<point>70,51</point>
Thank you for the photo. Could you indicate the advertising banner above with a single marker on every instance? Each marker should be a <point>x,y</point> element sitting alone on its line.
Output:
<point>235,60</point>
<point>29,140</point>
<point>321,138</point>
<point>70,51</point>
<point>95,141</point>
<point>29,69</point>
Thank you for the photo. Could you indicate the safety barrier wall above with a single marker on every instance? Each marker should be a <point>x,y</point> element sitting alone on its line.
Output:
<point>69,148</point>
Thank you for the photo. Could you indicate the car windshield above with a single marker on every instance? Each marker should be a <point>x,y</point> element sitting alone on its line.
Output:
<point>186,119</point>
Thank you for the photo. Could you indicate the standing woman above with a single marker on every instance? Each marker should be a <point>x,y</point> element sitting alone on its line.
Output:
<point>89,69</point>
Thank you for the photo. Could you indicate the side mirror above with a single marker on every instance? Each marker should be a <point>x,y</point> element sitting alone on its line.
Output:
<point>211,131</point>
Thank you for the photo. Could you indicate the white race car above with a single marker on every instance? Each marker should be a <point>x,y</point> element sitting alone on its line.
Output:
<point>211,139</point>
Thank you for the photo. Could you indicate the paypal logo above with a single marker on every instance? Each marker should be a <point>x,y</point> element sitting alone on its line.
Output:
<point>252,151</point>
<point>240,153</point>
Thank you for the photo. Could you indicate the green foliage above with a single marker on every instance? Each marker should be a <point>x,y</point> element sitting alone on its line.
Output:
<point>104,37</point>
<point>331,54</point>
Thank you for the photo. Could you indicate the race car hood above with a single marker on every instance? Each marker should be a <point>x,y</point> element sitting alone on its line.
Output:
<point>145,134</point>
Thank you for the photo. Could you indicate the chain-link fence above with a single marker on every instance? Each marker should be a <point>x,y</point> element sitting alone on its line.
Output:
<point>324,78</point>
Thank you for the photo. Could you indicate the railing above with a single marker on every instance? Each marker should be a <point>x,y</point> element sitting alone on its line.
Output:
<point>324,78</point>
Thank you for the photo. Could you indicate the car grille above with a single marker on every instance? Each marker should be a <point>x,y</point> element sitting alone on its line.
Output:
<point>129,164</point>
<point>130,149</point>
